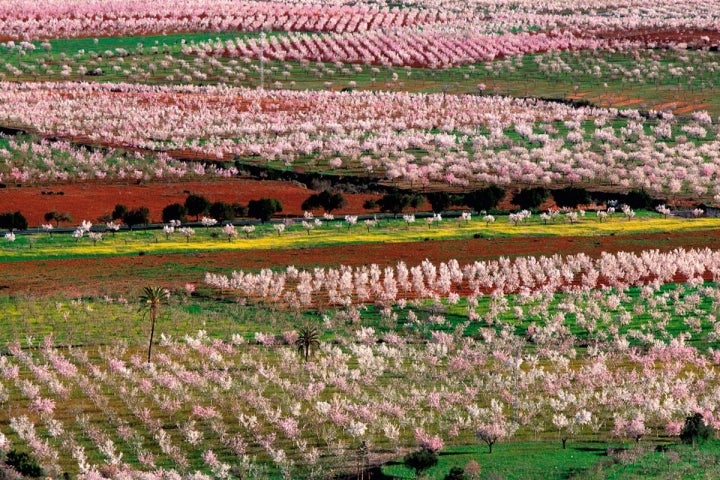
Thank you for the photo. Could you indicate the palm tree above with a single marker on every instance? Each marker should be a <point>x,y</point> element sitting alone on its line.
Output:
<point>308,339</point>
<point>150,301</point>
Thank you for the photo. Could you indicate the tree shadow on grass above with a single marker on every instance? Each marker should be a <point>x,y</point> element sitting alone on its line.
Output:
<point>450,454</point>
<point>599,451</point>
<point>372,473</point>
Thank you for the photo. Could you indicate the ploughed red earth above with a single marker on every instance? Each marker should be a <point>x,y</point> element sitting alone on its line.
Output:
<point>89,201</point>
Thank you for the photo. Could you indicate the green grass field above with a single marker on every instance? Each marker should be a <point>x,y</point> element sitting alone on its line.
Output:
<point>581,460</point>
<point>514,461</point>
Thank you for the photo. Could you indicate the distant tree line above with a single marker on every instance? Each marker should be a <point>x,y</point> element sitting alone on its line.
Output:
<point>395,202</point>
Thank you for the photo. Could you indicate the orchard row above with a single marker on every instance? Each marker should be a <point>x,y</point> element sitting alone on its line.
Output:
<point>411,138</point>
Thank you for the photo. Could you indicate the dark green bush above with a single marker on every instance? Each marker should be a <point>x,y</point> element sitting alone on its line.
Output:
<point>264,208</point>
<point>530,198</point>
<point>325,199</point>
<point>136,216</point>
<point>196,205</point>
<point>441,201</point>
<point>695,430</point>
<point>639,199</point>
<point>456,473</point>
<point>13,221</point>
<point>222,211</point>
<point>23,463</point>
<point>420,460</point>
<point>370,204</point>
<point>174,211</point>
<point>484,199</point>
<point>571,197</point>
<point>396,202</point>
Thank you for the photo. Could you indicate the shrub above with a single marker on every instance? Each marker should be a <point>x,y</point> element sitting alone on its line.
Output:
<point>639,199</point>
<point>118,212</point>
<point>455,473</point>
<point>328,201</point>
<point>441,201</point>
<point>13,221</point>
<point>221,211</point>
<point>484,199</point>
<point>196,205</point>
<point>396,202</point>
<point>240,210</point>
<point>530,198</point>
<point>571,197</point>
<point>23,463</point>
<point>136,216</point>
<point>416,201</point>
<point>264,208</point>
<point>695,430</point>
<point>50,216</point>
<point>64,217</point>
<point>370,204</point>
<point>174,211</point>
<point>421,460</point>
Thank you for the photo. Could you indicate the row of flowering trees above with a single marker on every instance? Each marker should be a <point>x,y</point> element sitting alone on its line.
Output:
<point>427,48</point>
<point>26,161</point>
<point>25,20</point>
<point>467,139</point>
<point>236,62</point>
<point>389,285</point>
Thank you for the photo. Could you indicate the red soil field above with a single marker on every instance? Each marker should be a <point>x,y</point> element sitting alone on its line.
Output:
<point>89,201</point>
<point>693,37</point>
<point>127,275</point>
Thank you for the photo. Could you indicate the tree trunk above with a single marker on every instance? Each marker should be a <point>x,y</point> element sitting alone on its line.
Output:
<point>152,333</point>
<point>564,441</point>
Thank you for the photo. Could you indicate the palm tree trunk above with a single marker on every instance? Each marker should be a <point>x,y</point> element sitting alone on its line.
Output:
<point>152,333</point>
